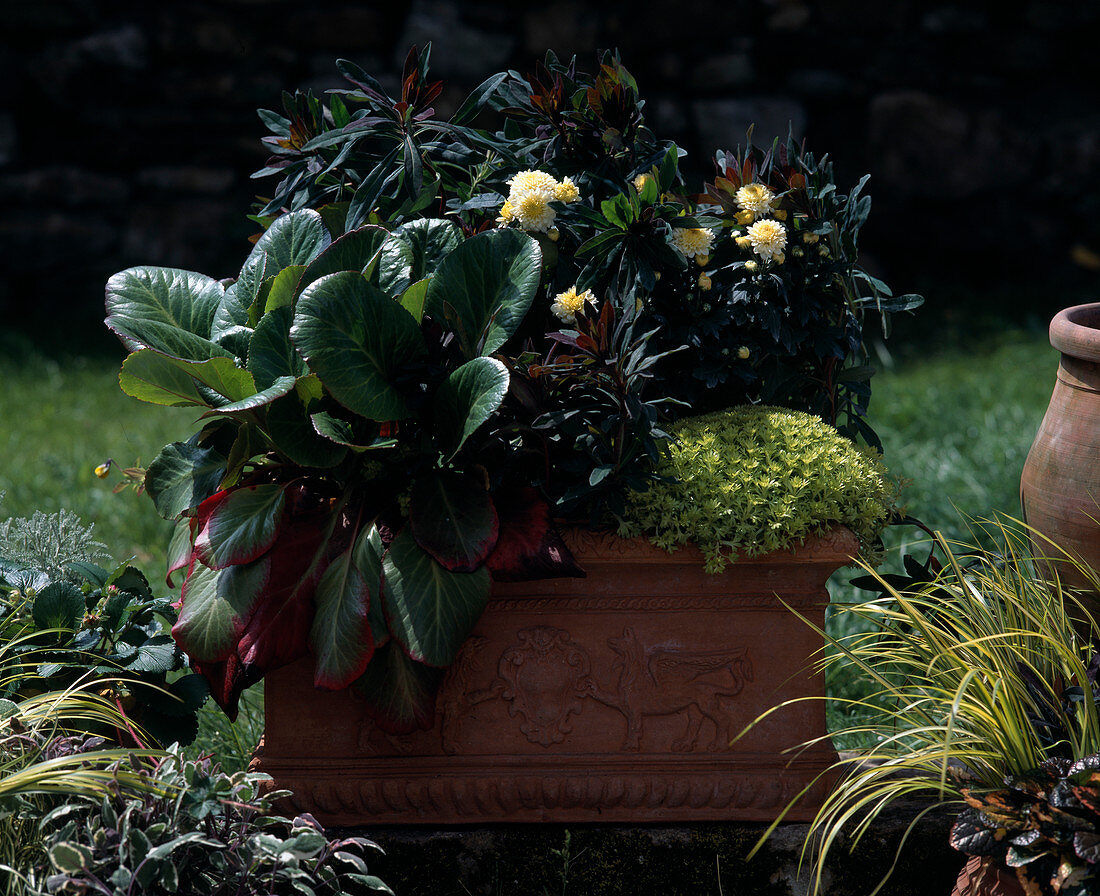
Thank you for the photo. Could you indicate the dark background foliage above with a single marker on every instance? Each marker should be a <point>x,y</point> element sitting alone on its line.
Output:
<point>127,130</point>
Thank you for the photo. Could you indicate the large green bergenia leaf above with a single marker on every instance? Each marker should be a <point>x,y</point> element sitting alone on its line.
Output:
<point>295,238</point>
<point>430,609</point>
<point>165,309</point>
<point>149,376</point>
<point>239,525</point>
<point>230,328</point>
<point>179,550</point>
<point>221,375</point>
<point>270,353</point>
<point>467,398</point>
<point>452,518</point>
<point>290,427</point>
<point>367,553</point>
<point>250,281</point>
<point>216,606</point>
<point>284,385</point>
<point>283,290</point>
<point>485,287</point>
<point>357,340</point>
<point>431,240</point>
<point>355,251</point>
<point>393,273</point>
<point>340,637</point>
<point>182,476</point>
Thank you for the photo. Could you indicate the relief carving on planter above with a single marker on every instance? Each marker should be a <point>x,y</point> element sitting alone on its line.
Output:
<point>663,680</point>
<point>546,676</point>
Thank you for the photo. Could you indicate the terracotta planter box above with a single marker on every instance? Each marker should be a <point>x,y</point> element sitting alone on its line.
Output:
<point>610,698</point>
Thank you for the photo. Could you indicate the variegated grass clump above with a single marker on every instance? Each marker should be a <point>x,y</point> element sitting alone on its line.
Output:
<point>983,673</point>
<point>752,480</point>
<point>46,757</point>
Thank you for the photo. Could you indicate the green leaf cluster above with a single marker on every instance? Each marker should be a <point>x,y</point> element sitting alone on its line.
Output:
<point>80,622</point>
<point>198,830</point>
<point>752,480</point>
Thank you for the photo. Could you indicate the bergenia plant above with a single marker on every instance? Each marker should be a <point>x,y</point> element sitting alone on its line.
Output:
<point>335,498</point>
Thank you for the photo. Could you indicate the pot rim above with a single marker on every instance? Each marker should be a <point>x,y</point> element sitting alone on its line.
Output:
<point>1075,331</point>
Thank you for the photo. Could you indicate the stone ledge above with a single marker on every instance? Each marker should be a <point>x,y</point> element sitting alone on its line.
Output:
<point>683,860</point>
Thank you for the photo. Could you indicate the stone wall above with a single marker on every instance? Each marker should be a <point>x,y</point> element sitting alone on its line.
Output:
<point>127,130</point>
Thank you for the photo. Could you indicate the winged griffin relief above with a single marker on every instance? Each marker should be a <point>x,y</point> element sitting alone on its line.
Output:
<point>667,679</point>
<point>545,677</point>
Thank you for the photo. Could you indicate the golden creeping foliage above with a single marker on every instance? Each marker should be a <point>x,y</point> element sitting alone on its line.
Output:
<point>756,479</point>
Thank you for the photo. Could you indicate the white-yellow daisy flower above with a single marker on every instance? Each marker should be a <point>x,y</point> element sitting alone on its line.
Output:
<point>768,239</point>
<point>568,303</point>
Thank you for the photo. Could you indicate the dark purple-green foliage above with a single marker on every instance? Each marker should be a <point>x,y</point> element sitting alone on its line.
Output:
<point>788,334</point>
<point>204,832</point>
<point>1045,824</point>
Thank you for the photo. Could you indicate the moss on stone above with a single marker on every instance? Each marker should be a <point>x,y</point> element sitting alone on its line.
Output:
<point>684,860</point>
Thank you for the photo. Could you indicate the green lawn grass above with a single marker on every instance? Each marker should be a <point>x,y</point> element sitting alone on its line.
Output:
<point>956,426</point>
<point>60,420</point>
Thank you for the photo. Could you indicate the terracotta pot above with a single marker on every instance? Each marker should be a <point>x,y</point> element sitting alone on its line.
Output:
<point>610,698</point>
<point>981,876</point>
<point>1060,486</point>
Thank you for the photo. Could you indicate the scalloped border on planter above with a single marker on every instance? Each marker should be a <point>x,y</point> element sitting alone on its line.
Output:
<point>610,698</point>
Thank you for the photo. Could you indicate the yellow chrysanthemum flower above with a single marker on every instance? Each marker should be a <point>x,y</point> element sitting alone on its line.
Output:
<point>507,213</point>
<point>743,353</point>
<point>705,282</point>
<point>810,238</point>
<point>755,198</point>
<point>567,191</point>
<point>751,266</point>
<point>692,241</point>
<point>743,242</point>
<point>768,239</point>
<point>568,303</point>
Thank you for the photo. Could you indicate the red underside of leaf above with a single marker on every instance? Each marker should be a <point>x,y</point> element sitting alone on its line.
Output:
<point>277,633</point>
<point>529,547</point>
<point>227,681</point>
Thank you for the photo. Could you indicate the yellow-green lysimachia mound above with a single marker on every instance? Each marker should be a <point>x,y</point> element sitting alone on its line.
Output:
<point>752,480</point>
